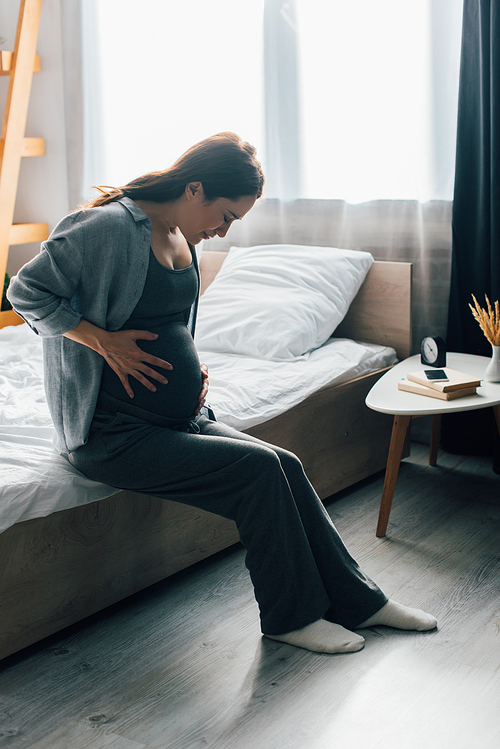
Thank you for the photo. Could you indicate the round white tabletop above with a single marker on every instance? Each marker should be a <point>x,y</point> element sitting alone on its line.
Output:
<point>386,398</point>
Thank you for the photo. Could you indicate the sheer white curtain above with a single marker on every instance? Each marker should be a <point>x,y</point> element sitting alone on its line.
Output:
<point>351,105</point>
<point>373,137</point>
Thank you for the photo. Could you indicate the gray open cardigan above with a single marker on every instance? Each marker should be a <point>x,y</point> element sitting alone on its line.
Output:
<point>92,267</point>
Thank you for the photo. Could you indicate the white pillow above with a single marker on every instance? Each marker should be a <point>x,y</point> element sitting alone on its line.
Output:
<point>279,301</point>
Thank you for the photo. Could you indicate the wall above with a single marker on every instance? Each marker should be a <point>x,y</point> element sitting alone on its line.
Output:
<point>42,191</point>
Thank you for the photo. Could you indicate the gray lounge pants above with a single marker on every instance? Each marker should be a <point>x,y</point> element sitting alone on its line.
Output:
<point>299,566</point>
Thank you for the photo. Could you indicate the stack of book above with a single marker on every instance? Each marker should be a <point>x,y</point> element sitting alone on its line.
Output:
<point>458,385</point>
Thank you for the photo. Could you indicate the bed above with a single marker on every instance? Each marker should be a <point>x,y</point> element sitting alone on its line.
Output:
<point>61,563</point>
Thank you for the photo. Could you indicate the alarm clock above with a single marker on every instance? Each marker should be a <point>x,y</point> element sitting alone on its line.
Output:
<point>433,351</point>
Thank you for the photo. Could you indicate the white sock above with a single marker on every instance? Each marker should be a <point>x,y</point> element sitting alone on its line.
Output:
<point>322,637</point>
<point>401,617</point>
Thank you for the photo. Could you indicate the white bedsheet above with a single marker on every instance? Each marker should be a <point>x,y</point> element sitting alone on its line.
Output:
<point>245,392</point>
<point>36,481</point>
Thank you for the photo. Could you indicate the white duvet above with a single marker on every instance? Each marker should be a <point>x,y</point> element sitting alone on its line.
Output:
<point>35,481</point>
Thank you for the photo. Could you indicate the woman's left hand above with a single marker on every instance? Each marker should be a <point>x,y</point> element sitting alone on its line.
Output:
<point>204,389</point>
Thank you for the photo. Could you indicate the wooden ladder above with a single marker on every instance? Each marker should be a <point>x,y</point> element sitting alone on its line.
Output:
<point>20,65</point>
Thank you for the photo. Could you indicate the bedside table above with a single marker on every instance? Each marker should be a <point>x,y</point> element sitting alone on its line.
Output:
<point>386,398</point>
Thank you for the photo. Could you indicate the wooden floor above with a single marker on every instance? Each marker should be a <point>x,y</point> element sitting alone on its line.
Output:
<point>183,666</point>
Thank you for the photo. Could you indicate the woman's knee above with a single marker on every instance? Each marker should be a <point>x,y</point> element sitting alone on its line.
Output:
<point>289,461</point>
<point>262,459</point>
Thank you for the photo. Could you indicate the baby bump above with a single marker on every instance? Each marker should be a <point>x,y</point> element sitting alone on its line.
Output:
<point>179,397</point>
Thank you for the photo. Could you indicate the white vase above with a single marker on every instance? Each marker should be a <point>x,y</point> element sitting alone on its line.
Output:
<point>492,373</point>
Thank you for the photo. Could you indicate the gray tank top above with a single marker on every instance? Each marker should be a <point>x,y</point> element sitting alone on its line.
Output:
<point>164,309</point>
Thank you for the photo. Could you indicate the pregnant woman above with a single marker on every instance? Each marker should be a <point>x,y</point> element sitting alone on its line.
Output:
<point>114,293</point>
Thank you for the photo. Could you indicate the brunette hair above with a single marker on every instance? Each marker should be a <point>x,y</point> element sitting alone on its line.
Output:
<point>225,165</point>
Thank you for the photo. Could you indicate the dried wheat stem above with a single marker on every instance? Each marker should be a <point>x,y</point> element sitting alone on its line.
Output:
<point>488,319</point>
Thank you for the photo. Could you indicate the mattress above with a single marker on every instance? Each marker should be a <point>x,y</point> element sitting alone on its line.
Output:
<point>36,481</point>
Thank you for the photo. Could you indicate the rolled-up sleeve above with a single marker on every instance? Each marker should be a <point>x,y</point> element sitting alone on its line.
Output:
<point>44,292</point>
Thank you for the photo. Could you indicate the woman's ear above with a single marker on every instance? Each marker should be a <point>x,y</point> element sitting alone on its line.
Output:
<point>194,191</point>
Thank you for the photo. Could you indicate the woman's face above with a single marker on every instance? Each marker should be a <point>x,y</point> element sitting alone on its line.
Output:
<point>200,219</point>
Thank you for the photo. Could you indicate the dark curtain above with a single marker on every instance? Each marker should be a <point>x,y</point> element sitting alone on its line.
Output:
<point>476,212</point>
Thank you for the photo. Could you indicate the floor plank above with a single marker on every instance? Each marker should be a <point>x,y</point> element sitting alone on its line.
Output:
<point>183,665</point>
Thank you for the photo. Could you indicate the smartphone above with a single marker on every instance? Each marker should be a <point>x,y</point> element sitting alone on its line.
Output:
<point>438,375</point>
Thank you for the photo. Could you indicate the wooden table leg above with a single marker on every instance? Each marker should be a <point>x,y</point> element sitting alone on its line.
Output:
<point>435,433</point>
<point>496,411</point>
<point>399,428</point>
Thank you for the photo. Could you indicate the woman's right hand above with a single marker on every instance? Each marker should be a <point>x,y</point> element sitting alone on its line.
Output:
<point>126,359</point>
<point>122,353</point>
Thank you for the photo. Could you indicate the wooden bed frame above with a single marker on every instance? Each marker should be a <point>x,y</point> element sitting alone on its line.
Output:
<point>56,570</point>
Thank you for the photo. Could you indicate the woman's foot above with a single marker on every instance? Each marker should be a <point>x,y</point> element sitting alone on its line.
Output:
<point>322,637</point>
<point>401,617</point>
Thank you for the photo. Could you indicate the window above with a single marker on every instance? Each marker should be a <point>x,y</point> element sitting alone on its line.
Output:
<point>172,73</point>
<point>357,101</point>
